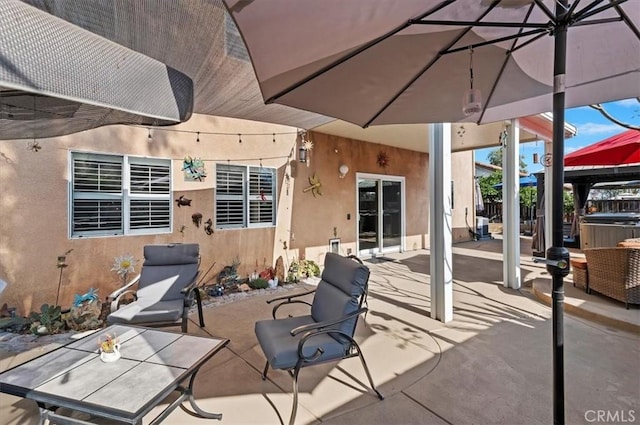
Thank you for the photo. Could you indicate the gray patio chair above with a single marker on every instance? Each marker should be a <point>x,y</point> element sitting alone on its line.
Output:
<point>327,333</point>
<point>166,289</point>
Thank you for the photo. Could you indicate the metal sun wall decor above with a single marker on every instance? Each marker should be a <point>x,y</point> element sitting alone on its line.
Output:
<point>383,159</point>
<point>194,169</point>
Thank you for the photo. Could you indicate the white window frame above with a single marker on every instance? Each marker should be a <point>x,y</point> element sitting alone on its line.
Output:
<point>247,198</point>
<point>125,195</point>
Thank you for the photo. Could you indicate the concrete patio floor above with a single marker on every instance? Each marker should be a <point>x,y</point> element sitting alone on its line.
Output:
<point>491,365</point>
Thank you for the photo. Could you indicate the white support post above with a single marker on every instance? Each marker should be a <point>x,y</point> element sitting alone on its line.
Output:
<point>440,193</point>
<point>511,207</point>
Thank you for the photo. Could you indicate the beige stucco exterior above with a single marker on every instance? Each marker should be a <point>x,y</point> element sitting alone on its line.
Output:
<point>34,216</point>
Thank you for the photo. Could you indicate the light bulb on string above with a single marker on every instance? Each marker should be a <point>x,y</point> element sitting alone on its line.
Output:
<point>149,138</point>
<point>198,138</point>
<point>239,138</point>
<point>274,137</point>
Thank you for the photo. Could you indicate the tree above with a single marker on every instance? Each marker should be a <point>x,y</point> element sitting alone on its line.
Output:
<point>528,196</point>
<point>495,158</point>
<point>487,183</point>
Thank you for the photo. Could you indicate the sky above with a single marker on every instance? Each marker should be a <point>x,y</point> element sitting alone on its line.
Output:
<point>592,127</point>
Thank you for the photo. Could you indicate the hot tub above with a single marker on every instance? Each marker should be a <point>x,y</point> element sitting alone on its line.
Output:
<point>607,229</point>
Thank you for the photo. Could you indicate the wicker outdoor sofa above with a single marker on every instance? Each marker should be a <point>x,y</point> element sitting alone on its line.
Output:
<point>615,272</point>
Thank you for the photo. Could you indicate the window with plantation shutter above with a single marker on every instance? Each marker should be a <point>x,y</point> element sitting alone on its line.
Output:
<point>261,190</point>
<point>244,196</point>
<point>119,195</point>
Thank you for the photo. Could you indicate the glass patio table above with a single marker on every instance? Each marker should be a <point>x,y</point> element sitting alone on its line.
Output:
<point>154,364</point>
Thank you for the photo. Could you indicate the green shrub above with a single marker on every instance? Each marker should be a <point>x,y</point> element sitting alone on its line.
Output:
<point>301,269</point>
<point>258,283</point>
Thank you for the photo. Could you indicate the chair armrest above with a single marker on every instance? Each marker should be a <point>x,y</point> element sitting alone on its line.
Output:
<point>327,323</point>
<point>115,303</point>
<point>124,289</point>
<point>289,299</point>
<point>192,285</point>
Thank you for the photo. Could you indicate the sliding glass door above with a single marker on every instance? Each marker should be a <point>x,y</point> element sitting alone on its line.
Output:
<point>380,214</point>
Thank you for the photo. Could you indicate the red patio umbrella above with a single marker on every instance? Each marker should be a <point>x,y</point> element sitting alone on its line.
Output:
<point>623,148</point>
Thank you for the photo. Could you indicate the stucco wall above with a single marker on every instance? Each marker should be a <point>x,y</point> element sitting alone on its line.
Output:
<point>34,203</point>
<point>338,200</point>
<point>34,207</point>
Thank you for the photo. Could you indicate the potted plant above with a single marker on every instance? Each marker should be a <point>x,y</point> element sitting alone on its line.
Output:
<point>109,348</point>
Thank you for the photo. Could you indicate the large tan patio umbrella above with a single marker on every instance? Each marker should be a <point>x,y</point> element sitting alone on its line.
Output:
<point>426,61</point>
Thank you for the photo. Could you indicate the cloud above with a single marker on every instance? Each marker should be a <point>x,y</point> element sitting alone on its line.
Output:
<point>627,103</point>
<point>595,128</point>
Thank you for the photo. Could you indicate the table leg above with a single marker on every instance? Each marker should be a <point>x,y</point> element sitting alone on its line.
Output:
<point>188,393</point>
<point>47,415</point>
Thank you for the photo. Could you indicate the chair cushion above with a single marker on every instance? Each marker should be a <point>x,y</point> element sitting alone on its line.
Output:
<point>166,255</point>
<point>346,274</point>
<point>141,312</point>
<point>578,263</point>
<point>281,349</point>
<point>165,283</point>
<point>338,294</point>
<point>629,244</point>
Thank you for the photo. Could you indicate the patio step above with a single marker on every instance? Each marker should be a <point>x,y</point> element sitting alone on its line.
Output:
<point>593,307</point>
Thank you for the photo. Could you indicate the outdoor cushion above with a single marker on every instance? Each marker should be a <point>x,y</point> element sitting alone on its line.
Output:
<point>281,349</point>
<point>579,263</point>
<point>629,243</point>
<point>159,255</point>
<point>165,282</point>
<point>137,312</point>
<point>343,282</point>
<point>165,288</point>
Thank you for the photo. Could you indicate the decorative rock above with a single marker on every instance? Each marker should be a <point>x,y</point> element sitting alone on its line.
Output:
<point>280,269</point>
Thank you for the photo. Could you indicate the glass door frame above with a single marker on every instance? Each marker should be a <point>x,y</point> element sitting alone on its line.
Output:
<point>381,249</point>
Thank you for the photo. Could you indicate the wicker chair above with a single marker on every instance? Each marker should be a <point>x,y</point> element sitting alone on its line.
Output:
<point>615,272</point>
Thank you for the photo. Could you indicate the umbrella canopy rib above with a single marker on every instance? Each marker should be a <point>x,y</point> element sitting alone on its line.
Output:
<point>585,13</point>
<point>478,24</point>
<point>547,11</point>
<point>428,66</point>
<point>544,31</point>
<point>628,21</point>
<point>356,52</point>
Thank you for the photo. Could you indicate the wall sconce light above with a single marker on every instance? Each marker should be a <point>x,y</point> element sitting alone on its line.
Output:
<point>343,170</point>
<point>302,154</point>
<point>304,151</point>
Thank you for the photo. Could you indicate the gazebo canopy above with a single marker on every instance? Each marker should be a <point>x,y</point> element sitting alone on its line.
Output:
<point>622,148</point>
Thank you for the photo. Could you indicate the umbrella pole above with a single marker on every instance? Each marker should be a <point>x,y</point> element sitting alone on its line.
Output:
<point>557,254</point>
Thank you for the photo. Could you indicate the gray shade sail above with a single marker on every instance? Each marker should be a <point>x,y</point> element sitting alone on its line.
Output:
<point>195,38</point>
<point>57,78</point>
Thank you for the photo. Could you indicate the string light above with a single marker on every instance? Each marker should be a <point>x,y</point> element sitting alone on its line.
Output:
<point>149,138</point>
<point>198,139</point>
<point>239,138</point>
<point>216,133</point>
